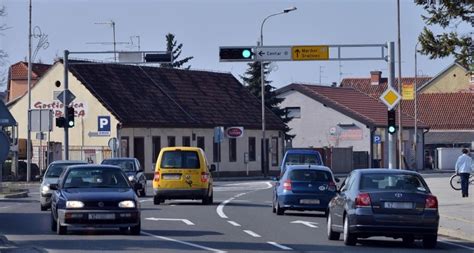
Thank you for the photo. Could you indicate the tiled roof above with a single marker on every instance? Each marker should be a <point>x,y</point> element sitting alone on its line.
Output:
<point>449,137</point>
<point>448,111</point>
<point>364,85</point>
<point>350,102</point>
<point>19,70</point>
<point>161,97</point>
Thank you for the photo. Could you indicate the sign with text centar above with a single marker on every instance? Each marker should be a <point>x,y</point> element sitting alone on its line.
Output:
<point>282,53</point>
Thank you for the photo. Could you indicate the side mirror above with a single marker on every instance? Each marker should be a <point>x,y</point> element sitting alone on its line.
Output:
<point>53,187</point>
<point>212,168</point>
<point>276,179</point>
<point>137,186</point>
<point>337,179</point>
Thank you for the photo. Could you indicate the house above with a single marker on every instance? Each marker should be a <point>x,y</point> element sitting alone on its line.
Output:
<point>17,84</point>
<point>343,117</point>
<point>147,108</point>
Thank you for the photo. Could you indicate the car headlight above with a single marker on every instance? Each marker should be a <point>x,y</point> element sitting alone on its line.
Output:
<point>127,204</point>
<point>74,204</point>
<point>44,188</point>
<point>131,178</point>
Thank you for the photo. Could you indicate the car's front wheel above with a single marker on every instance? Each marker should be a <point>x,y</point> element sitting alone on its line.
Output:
<point>53,223</point>
<point>135,230</point>
<point>349,238</point>
<point>430,241</point>
<point>333,236</point>
<point>60,229</point>
<point>157,200</point>
<point>43,208</point>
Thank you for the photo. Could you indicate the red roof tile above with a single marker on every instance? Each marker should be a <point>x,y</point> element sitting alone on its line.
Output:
<point>19,70</point>
<point>364,85</point>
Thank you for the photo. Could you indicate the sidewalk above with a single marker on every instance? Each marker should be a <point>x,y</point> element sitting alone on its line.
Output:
<point>456,213</point>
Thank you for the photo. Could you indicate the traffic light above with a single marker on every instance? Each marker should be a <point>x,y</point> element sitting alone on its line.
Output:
<point>236,53</point>
<point>391,127</point>
<point>70,117</point>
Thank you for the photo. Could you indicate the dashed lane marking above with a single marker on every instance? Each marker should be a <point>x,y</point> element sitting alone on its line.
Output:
<point>251,233</point>
<point>185,243</point>
<point>280,246</point>
<point>234,223</point>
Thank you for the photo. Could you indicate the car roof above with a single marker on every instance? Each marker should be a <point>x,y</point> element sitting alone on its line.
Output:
<point>69,162</point>
<point>386,171</point>
<point>86,166</point>
<point>308,167</point>
<point>120,159</point>
<point>181,149</point>
<point>302,151</point>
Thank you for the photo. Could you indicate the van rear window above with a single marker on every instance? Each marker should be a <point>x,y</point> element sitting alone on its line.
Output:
<point>180,160</point>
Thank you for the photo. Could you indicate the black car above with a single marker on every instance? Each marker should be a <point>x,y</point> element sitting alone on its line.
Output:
<point>384,202</point>
<point>131,167</point>
<point>94,196</point>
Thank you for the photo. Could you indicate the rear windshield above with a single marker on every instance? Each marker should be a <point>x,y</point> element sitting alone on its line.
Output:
<point>55,170</point>
<point>392,182</point>
<point>96,178</point>
<point>180,160</point>
<point>297,159</point>
<point>125,165</point>
<point>310,175</point>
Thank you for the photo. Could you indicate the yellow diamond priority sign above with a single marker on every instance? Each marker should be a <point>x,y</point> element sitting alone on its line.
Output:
<point>390,97</point>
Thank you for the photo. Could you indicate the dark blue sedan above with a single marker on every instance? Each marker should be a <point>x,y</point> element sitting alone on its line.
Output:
<point>94,196</point>
<point>304,187</point>
<point>383,202</point>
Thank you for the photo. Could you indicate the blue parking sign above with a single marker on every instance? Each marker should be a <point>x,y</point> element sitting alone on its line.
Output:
<point>103,125</point>
<point>377,139</point>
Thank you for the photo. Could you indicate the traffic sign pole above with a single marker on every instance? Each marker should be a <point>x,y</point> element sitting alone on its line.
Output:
<point>66,90</point>
<point>391,80</point>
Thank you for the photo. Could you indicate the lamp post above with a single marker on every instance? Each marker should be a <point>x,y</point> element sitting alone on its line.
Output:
<point>262,83</point>
<point>415,137</point>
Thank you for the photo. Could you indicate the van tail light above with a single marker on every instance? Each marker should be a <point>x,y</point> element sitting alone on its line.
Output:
<point>204,177</point>
<point>156,178</point>
<point>287,185</point>
<point>363,200</point>
<point>431,202</point>
<point>332,186</point>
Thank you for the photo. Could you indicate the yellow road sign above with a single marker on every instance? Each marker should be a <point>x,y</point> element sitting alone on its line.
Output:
<point>308,53</point>
<point>390,97</point>
<point>408,91</point>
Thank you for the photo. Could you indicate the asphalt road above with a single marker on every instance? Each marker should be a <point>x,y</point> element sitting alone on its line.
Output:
<point>241,220</point>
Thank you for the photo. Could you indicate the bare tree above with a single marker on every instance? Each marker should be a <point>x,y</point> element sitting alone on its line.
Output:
<point>3,54</point>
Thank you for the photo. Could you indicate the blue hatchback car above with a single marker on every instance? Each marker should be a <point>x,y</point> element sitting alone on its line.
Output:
<point>304,187</point>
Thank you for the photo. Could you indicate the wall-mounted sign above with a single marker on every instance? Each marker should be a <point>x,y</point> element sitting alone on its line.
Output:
<point>80,108</point>
<point>234,132</point>
<point>103,125</point>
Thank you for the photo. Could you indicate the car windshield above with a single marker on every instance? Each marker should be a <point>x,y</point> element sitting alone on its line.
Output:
<point>180,159</point>
<point>55,170</point>
<point>125,165</point>
<point>95,178</point>
<point>389,182</point>
<point>298,159</point>
<point>309,175</point>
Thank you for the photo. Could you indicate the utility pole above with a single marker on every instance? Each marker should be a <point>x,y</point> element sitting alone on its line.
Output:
<point>392,160</point>
<point>400,126</point>
<point>28,143</point>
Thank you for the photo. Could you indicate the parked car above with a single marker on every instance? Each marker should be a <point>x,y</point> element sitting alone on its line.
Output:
<point>299,156</point>
<point>51,176</point>
<point>183,173</point>
<point>383,202</point>
<point>133,169</point>
<point>304,187</point>
<point>94,196</point>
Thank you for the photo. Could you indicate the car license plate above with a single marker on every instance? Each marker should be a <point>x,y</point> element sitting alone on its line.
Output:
<point>101,216</point>
<point>398,205</point>
<point>171,177</point>
<point>309,201</point>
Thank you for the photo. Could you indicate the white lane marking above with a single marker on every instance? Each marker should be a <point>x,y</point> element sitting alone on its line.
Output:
<point>185,243</point>
<point>220,208</point>
<point>269,185</point>
<point>306,223</point>
<point>187,222</point>
<point>280,246</point>
<point>15,205</point>
<point>145,200</point>
<point>455,244</point>
<point>251,233</point>
<point>234,223</point>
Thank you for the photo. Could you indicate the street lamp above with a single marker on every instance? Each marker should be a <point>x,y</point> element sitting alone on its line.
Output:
<point>262,83</point>
<point>415,137</point>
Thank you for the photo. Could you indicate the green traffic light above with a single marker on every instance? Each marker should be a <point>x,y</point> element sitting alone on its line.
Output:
<point>246,53</point>
<point>391,129</point>
<point>71,123</point>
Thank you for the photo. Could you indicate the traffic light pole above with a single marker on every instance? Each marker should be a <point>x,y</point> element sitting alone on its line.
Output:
<point>391,80</point>
<point>66,88</point>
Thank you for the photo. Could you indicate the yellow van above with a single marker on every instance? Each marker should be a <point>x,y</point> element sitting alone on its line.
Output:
<point>182,173</point>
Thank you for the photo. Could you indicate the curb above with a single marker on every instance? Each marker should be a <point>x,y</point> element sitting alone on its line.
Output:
<point>9,246</point>
<point>22,194</point>
<point>455,234</point>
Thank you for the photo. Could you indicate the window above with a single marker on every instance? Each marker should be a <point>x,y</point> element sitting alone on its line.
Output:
<point>274,151</point>
<point>139,150</point>
<point>232,150</point>
<point>125,152</point>
<point>388,182</point>
<point>171,141</point>
<point>186,141</point>
<point>156,145</point>
<point>216,152</point>
<point>310,175</point>
<point>180,160</point>
<point>252,149</point>
<point>293,112</point>
<point>201,143</point>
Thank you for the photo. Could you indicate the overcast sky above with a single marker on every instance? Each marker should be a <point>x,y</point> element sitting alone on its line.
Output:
<point>204,25</point>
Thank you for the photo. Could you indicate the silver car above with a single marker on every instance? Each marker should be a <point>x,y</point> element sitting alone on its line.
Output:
<point>51,176</point>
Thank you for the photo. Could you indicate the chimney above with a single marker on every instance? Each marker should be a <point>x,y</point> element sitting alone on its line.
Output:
<point>375,77</point>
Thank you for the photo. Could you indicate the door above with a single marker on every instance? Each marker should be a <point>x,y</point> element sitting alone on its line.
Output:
<point>139,150</point>
<point>265,168</point>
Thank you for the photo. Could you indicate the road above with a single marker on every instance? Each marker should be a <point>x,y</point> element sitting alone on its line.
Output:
<point>241,220</point>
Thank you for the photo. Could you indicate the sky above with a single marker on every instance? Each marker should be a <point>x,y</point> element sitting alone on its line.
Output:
<point>205,25</point>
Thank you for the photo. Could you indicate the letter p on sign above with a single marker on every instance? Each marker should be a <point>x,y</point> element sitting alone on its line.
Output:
<point>103,124</point>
